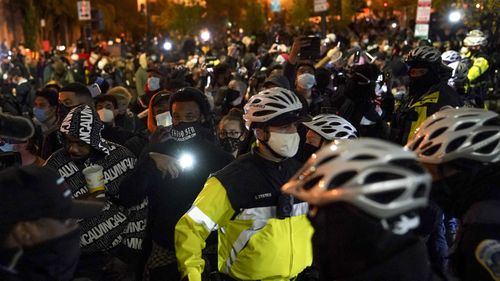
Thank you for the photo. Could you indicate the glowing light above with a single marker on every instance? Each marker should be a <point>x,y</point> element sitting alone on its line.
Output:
<point>454,16</point>
<point>167,46</point>
<point>205,35</point>
<point>110,43</point>
<point>394,25</point>
<point>186,161</point>
<point>61,48</point>
<point>478,6</point>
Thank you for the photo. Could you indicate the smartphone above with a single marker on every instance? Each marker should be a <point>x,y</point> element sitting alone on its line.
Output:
<point>312,51</point>
<point>94,89</point>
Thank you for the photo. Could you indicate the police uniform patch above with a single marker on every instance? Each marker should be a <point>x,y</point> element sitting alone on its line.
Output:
<point>488,255</point>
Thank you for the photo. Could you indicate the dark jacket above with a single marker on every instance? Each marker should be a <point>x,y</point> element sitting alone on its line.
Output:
<point>170,198</point>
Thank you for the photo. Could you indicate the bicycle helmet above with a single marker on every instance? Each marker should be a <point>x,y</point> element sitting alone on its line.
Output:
<point>424,54</point>
<point>331,127</point>
<point>462,133</point>
<point>269,104</point>
<point>380,178</point>
<point>475,38</point>
<point>450,56</point>
<point>460,72</point>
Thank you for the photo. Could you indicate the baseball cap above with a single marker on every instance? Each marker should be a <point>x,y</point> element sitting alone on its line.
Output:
<point>32,192</point>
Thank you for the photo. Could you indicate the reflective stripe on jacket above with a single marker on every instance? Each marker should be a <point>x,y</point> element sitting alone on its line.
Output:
<point>253,243</point>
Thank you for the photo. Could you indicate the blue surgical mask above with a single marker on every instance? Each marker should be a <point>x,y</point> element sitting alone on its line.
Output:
<point>39,114</point>
<point>153,83</point>
<point>7,147</point>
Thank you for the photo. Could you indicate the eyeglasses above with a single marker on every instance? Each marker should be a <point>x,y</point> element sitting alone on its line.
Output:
<point>231,134</point>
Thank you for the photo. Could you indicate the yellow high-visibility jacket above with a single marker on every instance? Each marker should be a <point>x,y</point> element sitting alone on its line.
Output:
<point>253,243</point>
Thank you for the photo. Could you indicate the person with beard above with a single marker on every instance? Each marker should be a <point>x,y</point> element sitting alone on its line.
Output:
<point>323,129</point>
<point>365,194</point>
<point>71,96</point>
<point>232,132</point>
<point>263,234</point>
<point>461,149</point>
<point>172,174</point>
<point>428,93</point>
<point>112,240</point>
<point>39,236</point>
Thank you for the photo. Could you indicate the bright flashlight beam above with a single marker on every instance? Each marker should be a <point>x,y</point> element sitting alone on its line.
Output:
<point>167,46</point>
<point>454,16</point>
<point>186,161</point>
<point>205,35</point>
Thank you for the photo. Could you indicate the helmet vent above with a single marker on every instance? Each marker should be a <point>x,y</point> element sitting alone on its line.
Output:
<point>483,135</point>
<point>493,122</point>
<point>312,182</point>
<point>277,105</point>
<point>420,192</point>
<point>341,179</point>
<point>320,123</point>
<point>437,133</point>
<point>327,159</point>
<point>417,143</point>
<point>431,150</point>
<point>489,148</point>
<point>341,134</point>
<point>364,157</point>
<point>455,144</point>
<point>264,112</point>
<point>464,126</point>
<point>386,196</point>
<point>328,131</point>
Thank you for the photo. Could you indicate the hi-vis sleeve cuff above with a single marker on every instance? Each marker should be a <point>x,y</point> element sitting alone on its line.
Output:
<point>201,218</point>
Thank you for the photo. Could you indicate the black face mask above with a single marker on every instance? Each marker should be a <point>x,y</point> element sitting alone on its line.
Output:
<point>52,260</point>
<point>62,111</point>
<point>420,85</point>
<point>188,131</point>
<point>230,144</point>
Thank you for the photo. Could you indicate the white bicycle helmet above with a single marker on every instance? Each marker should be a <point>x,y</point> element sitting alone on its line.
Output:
<point>450,56</point>
<point>380,178</point>
<point>268,104</point>
<point>462,133</point>
<point>475,38</point>
<point>424,54</point>
<point>331,127</point>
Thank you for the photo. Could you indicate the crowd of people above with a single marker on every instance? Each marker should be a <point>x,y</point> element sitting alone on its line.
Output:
<point>374,158</point>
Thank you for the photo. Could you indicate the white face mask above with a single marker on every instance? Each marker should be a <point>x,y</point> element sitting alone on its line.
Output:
<point>285,145</point>
<point>106,115</point>
<point>164,119</point>
<point>306,81</point>
<point>153,83</point>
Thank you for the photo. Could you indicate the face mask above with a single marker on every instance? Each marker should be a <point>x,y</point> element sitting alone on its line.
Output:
<point>306,81</point>
<point>106,115</point>
<point>420,85</point>
<point>62,111</point>
<point>285,145</point>
<point>7,147</point>
<point>185,131</point>
<point>39,114</point>
<point>230,144</point>
<point>153,83</point>
<point>53,260</point>
<point>164,119</point>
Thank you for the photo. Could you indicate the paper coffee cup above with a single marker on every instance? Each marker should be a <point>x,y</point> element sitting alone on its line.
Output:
<point>94,178</point>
